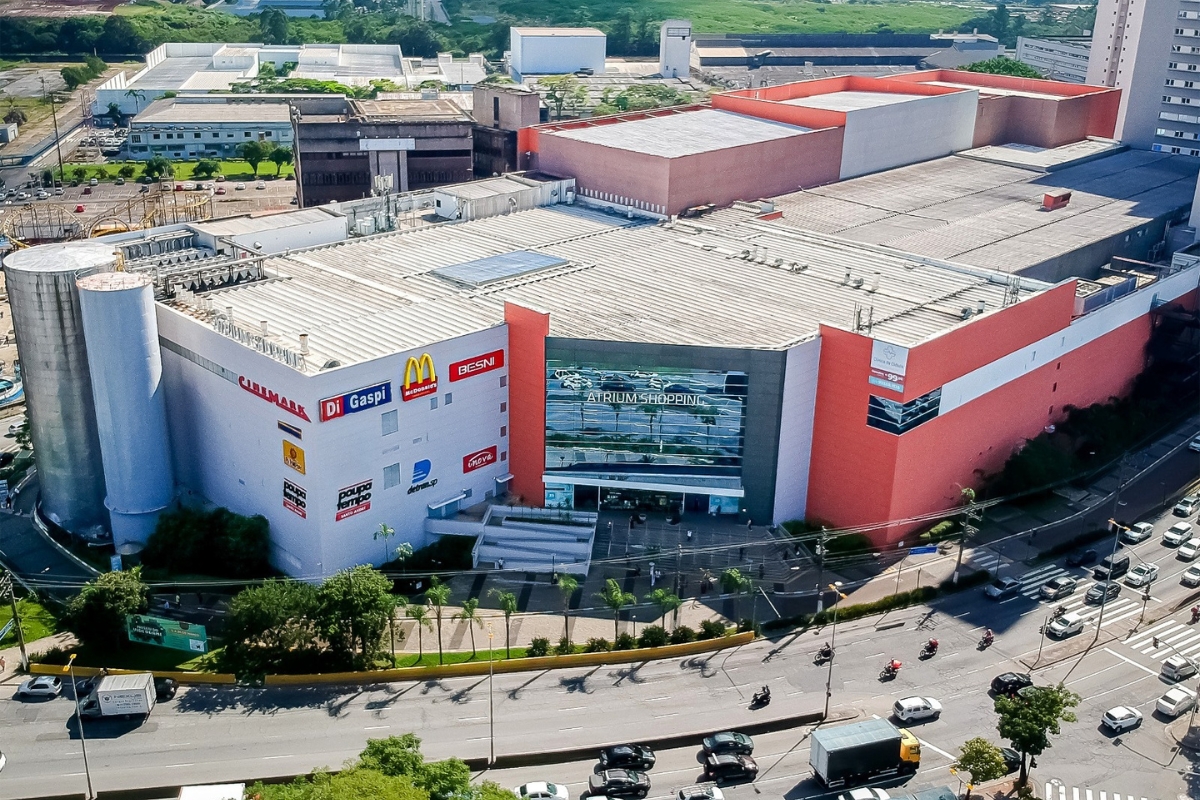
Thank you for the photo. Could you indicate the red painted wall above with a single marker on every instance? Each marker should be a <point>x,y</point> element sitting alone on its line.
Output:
<point>597,168</point>
<point>527,331</point>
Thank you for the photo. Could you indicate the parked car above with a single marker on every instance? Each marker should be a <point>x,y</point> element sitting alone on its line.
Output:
<point>865,794</point>
<point>911,709</point>
<point>619,783</point>
<point>119,181</point>
<point>1012,759</point>
<point>1068,624</point>
<point>87,190</point>
<point>1190,576</point>
<point>540,790</point>
<point>240,186</point>
<point>1122,718</point>
<point>1177,668</point>
<point>41,686</point>
<point>1177,534</point>
<point>93,182</point>
<point>1081,559</point>
<point>220,179</point>
<point>58,190</point>
<point>627,756</point>
<point>729,767</point>
<point>1175,701</point>
<point>1058,587</point>
<point>1194,445</point>
<point>42,194</point>
<point>260,185</point>
<point>220,190</point>
<point>1188,550</point>
<point>1142,575</point>
<point>729,742</point>
<point>80,208</point>
<point>165,689</point>
<point>1187,506</point>
<point>1002,588</point>
<point>1102,592</point>
<point>1138,532</point>
<point>1010,682</point>
<point>701,791</point>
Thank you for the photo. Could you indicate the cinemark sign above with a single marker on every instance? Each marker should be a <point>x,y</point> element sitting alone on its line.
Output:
<point>479,459</point>
<point>477,365</point>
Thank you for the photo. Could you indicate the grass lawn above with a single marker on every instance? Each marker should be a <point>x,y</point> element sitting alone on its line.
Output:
<point>184,170</point>
<point>430,659</point>
<point>144,656</point>
<point>36,622</point>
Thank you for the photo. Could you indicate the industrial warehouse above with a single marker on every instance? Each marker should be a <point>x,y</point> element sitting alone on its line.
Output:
<point>541,355</point>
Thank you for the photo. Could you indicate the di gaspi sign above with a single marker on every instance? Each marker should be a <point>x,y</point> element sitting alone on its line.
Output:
<point>359,400</point>
<point>420,378</point>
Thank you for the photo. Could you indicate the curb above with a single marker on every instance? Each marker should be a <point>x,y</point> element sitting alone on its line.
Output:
<point>40,525</point>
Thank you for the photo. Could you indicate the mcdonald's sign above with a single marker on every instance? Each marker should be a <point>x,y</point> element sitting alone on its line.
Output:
<point>420,378</point>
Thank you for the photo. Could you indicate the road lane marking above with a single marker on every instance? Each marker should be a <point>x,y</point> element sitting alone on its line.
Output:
<point>937,749</point>
<point>172,766</point>
<point>576,728</point>
<point>1120,617</point>
<point>1128,661</point>
<point>272,758</point>
<point>376,727</point>
<point>1118,688</point>
<point>479,719</point>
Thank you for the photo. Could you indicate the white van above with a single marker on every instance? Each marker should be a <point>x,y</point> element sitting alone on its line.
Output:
<point>1176,668</point>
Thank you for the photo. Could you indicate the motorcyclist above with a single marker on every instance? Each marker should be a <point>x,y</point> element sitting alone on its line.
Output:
<point>892,667</point>
<point>1195,613</point>
<point>988,636</point>
<point>826,650</point>
<point>932,645</point>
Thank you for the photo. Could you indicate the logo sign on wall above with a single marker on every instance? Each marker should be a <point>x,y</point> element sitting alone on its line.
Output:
<point>293,456</point>
<point>162,632</point>
<point>295,499</point>
<point>421,471</point>
<point>359,400</point>
<point>273,397</point>
<point>420,378</point>
<point>353,500</point>
<point>480,458</point>
<point>477,365</point>
<point>290,430</point>
<point>888,364</point>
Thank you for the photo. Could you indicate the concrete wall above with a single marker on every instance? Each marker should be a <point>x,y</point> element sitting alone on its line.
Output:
<point>796,415</point>
<point>892,135</point>
<point>1131,46</point>
<point>597,168</point>
<point>555,55</point>
<point>505,107</point>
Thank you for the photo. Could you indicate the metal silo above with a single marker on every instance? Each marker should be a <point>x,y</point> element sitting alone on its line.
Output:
<point>54,368</point>
<point>131,412</point>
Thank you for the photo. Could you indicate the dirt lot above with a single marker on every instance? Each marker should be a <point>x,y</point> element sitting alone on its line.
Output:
<point>56,8</point>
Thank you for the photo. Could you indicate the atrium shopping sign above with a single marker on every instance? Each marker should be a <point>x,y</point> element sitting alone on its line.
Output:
<point>888,365</point>
<point>420,378</point>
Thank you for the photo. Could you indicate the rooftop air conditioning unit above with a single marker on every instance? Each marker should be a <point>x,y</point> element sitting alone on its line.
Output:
<point>1056,199</point>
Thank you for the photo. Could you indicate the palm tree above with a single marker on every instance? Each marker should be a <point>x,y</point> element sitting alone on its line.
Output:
<point>567,584</point>
<point>14,115</point>
<point>667,601</point>
<point>385,532</point>
<point>420,615</point>
<point>138,95</point>
<point>470,615</point>
<point>508,604</point>
<point>732,580</point>
<point>616,598</point>
<point>437,596</point>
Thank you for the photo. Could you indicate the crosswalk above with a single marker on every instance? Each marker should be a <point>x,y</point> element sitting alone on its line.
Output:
<point>1057,790</point>
<point>1128,604</point>
<point>1174,636</point>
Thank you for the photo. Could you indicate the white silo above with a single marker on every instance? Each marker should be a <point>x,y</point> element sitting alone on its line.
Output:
<point>54,368</point>
<point>131,412</point>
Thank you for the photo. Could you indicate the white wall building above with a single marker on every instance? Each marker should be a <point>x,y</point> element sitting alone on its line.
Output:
<point>1059,59</point>
<point>555,51</point>
<point>675,48</point>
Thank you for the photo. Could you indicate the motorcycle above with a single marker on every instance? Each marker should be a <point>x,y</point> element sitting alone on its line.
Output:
<point>761,698</point>
<point>1058,612</point>
<point>889,671</point>
<point>823,655</point>
<point>986,642</point>
<point>929,651</point>
<point>1195,614</point>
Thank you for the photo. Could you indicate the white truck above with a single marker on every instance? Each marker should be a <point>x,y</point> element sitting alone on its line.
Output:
<point>120,696</point>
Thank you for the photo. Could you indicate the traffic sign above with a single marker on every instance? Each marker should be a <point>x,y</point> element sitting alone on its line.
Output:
<point>923,550</point>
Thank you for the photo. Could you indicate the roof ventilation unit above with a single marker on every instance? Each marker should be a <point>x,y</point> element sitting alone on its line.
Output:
<point>966,312</point>
<point>1056,199</point>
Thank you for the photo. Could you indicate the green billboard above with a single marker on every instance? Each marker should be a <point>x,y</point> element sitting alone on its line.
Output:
<point>170,633</point>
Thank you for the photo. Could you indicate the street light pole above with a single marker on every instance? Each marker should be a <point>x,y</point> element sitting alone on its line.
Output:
<point>79,720</point>
<point>1042,643</point>
<point>836,586</point>
<point>491,703</point>
<point>6,584</point>
<point>57,145</point>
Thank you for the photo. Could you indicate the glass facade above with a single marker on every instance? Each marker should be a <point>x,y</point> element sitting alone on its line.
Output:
<point>665,426</point>
<point>897,418</point>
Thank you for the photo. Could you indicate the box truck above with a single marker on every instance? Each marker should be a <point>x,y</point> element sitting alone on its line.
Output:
<point>120,696</point>
<point>859,752</point>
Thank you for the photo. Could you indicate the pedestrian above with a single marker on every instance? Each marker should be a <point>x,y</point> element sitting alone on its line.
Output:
<point>741,553</point>
<point>749,524</point>
<point>689,536</point>
<point>499,563</point>
<point>762,569</point>
<point>3,664</point>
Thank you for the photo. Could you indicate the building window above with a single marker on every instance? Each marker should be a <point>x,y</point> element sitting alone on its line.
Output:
<point>893,417</point>
<point>504,455</point>
<point>267,135</point>
<point>504,430</point>
<point>170,136</point>
<point>246,134</point>
<point>433,403</point>
<point>391,422</point>
<point>503,407</point>
<point>449,398</point>
<point>137,137</point>
<point>196,135</point>
<point>503,381</point>
<point>391,476</point>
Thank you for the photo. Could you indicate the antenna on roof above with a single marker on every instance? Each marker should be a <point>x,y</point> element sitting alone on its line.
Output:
<point>1012,291</point>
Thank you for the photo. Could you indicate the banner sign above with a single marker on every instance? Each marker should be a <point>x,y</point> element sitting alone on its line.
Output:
<point>295,499</point>
<point>478,459</point>
<point>293,456</point>
<point>888,365</point>
<point>353,500</point>
<point>359,400</point>
<point>420,378</point>
<point>477,365</point>
<point>170,633</point>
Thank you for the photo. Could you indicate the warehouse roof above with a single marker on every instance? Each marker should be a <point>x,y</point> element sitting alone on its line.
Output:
<point>681,134</point>
<point>853,100</point>
<point>743,283</point>
<point>559,31</point>
<point>169,111</point>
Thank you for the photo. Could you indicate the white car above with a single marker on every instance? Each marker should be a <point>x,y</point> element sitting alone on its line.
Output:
<point>1142,575</point>
<point>1122,718</point>
<point>42,194</point>
<point>914,708</point>
<point>1191,576</point>
<point>1138,532</point>
<point>1188,550</point>
<point>1177,534</point>
<point>1194,445</point>
<point>41,686</point>
<point>701,791</point>
<point>1187,506</point>
<point>240,186</point>
<point>1175,701</point>
<point>260,185</point>
<point>865,794</point>
<point>1067,625</point>
<point>540,790</point>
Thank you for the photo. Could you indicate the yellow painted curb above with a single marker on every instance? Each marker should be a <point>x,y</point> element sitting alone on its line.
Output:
<point>182,677</point>
<point>517,664</point>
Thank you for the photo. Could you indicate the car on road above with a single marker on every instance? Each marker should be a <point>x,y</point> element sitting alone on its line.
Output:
<point>80,208</point>
<point>220,190</point>
<point>1175,701</point>
<point>58,190</point>
<point>1012,759</point>
<point>1194,445</point>
<point>730,767</point>
<point>1138,532</point>
<point>1102,592</point>
<point>22,195</point>
<point>1058,587</point>
<point>1177,668</point>
<point>1081,559</point>
<point>865,794</point>
<point>1177,534</point>
<point>540,790</point>
<point>729,742</point>
<point>240,186</point>
<point>627,756</point>
<point>1191,576</point>
<point>1187,506</point>
<point>42,194</point>
<point>41,686</point>
<point>619,783</point>
<point>701,791</point>
<point>1010,682</point>
<point>165,689</point>
<point>1121,718</point>
<point>1068,624</point>
<point>1188,550</point>
<point>260,185</point>
<point>910,709</point>
<point>119,181</point>
<point>1003,588</point>
<point>1142,575</point>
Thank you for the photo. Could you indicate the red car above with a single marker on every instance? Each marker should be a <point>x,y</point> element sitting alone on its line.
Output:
<point>220,190</point>
<point>79,209</point>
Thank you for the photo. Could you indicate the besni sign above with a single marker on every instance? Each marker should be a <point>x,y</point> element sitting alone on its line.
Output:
<point>353,500</point>
<point>359,400</point>
<point>293,456</point>
<point>480,458</point>
<point>295,499</point>
<point>477,365</point>
<point>888,365</point>
<point>420,378</point>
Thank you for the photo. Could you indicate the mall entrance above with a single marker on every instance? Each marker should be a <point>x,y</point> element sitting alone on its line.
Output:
<point>671,505</point>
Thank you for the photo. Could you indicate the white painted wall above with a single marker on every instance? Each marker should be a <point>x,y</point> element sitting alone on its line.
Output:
<point>889,136</point>
<point>675,48</point>
<point>795,431</point>
<point>228,447</point>
<point>556,55</point>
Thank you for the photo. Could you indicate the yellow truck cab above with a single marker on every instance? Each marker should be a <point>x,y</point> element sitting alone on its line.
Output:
<point>910,749</point>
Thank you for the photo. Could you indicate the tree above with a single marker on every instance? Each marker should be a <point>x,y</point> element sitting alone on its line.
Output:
<point>74,77</point>
<point>384,532</point>
<point>982,761</point>
<point>137,95</point>
<point>270,628</point>
<point>616,598</point>
<point>273,26</point>
<point>355,606</point>
<point>15,115</point>
<point>437,596</point>
<point>255,152</point>
<point>280,156</point>
<point>420,615</point>
<point>206,168</point>
<point>121,38</point>
<point>23,436</point>
<point>127,171</point>
<point>1002,65</point>
<point>470,615</point>
<point>400,756</point>
<point>620,33</point>
<point>1028,719</point>
<point>667,601</point>
<point>734,582</point>
<point>114,113</point>
<point>97,614</point>
<point>567,584</point>
<point>79,174</point>
<point>158,166</point>
<point>508,604</point>
<point>561,91</point>
<point>217,542</point>
<point>349,784</point>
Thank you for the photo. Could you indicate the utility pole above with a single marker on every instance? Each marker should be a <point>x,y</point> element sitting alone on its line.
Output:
<point>973,516</point>
<point>821,567</point>
<point>57,141</point>
<point>6,585</point>
<point>1114,528</point>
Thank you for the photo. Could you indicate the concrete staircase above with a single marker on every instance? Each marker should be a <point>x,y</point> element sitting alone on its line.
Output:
<point>526,539</point>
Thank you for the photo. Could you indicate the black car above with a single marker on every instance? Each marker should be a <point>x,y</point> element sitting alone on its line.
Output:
<point>165,688</point>
<point>1010,682</point>
<point>626,756</point>
<point>728,742</point>
<point>1081,559</point>
<point>619,783</point>
<point>1102,592</point>
<point>729,767</point>
<point>1012,759</point>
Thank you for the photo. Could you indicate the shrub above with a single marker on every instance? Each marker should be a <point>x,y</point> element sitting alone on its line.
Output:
<point>55,655</point>
<point>597,645</point>
<point>746,625</point>
<point>652,636</point>
<point>849,544</point>
<point>217,542</point>
<point>563,648</point>
<point>625,642</point>
<point>711,629</point>
<point>940,531</point>
<point>540,646</point>
<point>682,635</point>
